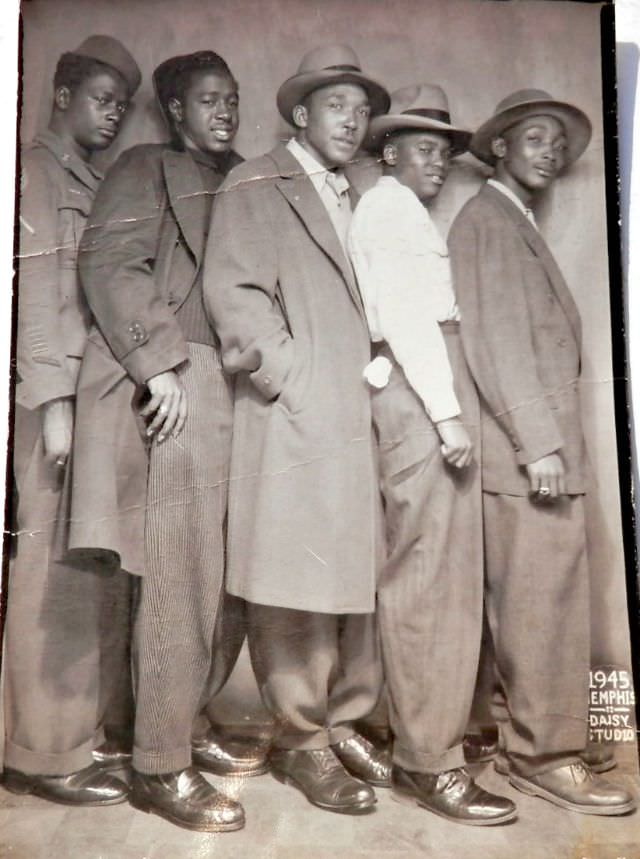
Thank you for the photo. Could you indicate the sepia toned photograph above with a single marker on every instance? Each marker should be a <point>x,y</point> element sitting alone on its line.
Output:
<point>319,535</point>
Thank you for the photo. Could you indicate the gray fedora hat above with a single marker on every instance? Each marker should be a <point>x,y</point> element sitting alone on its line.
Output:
<point>419,107</point>
<point>326,65</point>
<point>112,53</point>
<point>532,102</point>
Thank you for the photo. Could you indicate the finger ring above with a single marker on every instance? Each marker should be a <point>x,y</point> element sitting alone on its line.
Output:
<point>544,491</point>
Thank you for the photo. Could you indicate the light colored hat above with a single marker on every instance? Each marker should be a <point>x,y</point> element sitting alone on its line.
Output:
<point>420,107</point>
<point>112,53</point>
<point>329,65</point>
<point>532,102</point>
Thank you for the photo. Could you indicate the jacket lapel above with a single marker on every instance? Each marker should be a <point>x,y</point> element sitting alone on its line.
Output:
<point>187,199</point>
<point>297,188</point>
<point>539,247</point>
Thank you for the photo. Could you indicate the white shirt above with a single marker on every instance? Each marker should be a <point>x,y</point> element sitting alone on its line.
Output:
<point>331,186</point>
<point>402,265</point>
<point>504,189</point>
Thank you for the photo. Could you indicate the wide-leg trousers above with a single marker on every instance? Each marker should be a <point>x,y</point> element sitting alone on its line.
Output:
<point>67,628</point>
<point>317,673</point>
<point>537,600</point>
<point>430,590</point>
<point>187,632</point>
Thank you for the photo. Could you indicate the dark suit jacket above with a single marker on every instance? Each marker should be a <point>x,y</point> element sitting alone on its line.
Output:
<point>522,336</point>
<point>140,256</point>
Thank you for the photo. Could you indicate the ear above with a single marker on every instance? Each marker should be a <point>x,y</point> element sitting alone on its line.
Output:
<point>175,109</point>
<point>390,154</point>
<point>62,97</point>
<point>499,147</point>
<point>300,116</point>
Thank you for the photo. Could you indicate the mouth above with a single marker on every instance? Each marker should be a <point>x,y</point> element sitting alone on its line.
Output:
<point>110,133</point>
<point>545,172</point>
<point>224,135</point>
<point>436,178</point>
<point>345,141</point>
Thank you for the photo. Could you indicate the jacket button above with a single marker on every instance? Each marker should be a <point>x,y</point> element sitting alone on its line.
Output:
<point>267,380</point>
<point>562,342</point>
<point>137,332</point>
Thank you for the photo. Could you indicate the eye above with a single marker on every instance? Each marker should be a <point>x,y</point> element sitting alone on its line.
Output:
<point>335,105</point>
<point>364,111</point>
<point>233,102</point>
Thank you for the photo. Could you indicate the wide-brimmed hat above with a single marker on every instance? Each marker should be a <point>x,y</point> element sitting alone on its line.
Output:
<point>419,107</point>
<point>112,53</point>
<point>532,102</point>
<point>326,65</point>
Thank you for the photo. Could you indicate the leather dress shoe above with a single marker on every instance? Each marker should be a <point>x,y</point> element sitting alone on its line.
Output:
<point>452,794</point>
<point>599,758</point>
<point>229,755</point>
<point>90,786</point>
<point>361,758</point>
<point>187,799</point>
<point>576,788</point>
<point>320,776</point>
<point>480,747</point>
<point>112,755</point>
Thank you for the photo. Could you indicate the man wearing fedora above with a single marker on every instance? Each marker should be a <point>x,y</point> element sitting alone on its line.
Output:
<point>421,393</point>
<point>521,335</point>
<point>61,666</point>
<point>303,503</point>
<point>156,411</point>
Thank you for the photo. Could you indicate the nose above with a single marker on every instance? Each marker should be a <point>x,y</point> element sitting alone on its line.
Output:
<point>113,114</point>
<point>351,120</point>
<point>223,111</point>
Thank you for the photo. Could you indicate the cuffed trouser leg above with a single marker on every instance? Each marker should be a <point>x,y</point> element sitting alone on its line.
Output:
<point>175,636</point>
<point>538,608</point>
<point>59,679</point>
<point>430,590</point>
<point>317,673</point>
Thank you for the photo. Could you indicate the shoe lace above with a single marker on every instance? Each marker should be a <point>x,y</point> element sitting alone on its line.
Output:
<point>453,781</point>
<point>580,773</point>
<point>326,760</point>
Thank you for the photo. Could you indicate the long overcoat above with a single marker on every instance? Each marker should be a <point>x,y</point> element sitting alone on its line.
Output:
<point>290,319</point>
<point>140,256</point>
<point>521,334</point>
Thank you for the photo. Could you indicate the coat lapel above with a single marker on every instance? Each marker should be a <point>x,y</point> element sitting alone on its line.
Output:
<point>539,247</point>
<point>187,199</point>
<point>297,188</point>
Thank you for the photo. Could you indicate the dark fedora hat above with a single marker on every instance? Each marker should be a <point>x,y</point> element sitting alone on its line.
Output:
<point>418,107</point>
<point>532,102</point>
<point>326,65</point>
<point>111,52</point>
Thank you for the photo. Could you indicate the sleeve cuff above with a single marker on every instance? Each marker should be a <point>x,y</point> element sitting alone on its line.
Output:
<point>271,375</point>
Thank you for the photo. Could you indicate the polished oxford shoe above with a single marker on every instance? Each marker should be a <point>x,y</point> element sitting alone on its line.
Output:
<point>575,788</point>
<point>322,779</point>
<point>112,755</point>
<point>361,758</point>
<point>229,755</point>
<point>187,799</point>
<point>599,758</point>
<point>452,794</point>
<point>480,747</point>
<point>89,786</point>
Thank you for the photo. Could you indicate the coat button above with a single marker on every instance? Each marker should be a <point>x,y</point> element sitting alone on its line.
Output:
<point>137,331</point>
<point>562,342</point>
<point>267,380</point>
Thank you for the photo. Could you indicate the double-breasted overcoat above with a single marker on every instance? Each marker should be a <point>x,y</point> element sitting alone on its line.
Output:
<point>287,309</point>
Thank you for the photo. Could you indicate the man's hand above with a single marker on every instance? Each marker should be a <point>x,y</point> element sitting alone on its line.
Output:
<point>167,408</point>
<point>57,430</point>
<point>457,447</point>
<point>546,478</point>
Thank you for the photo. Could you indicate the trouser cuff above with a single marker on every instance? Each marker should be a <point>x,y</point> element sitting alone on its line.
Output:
<point>526,766</point>
<point>31,762</point>
<point>302,742</point>
<point>157,763</point>
<point>428,762</point>
<point>340,733</point>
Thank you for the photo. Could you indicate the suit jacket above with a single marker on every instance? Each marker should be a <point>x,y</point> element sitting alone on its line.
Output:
<point>286,307</point>
<point>522,337</point>
<point>140,256</point>
<point>57,191</point>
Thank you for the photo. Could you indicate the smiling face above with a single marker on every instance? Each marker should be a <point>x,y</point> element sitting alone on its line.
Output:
<point>332,123</point>
<point>419,160</point>
<point>90,114</point>
<point>206,117</point>
<point>530,155</point>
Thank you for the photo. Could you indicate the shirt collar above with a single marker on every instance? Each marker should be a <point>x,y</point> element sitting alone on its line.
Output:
<point>84,171</point>
<point>311,166</point>
<point>499,186</point>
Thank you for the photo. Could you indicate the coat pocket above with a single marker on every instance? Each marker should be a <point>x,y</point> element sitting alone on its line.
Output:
<point>297,389</point>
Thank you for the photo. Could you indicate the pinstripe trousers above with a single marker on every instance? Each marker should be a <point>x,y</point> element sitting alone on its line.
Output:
<point>187,632</point>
